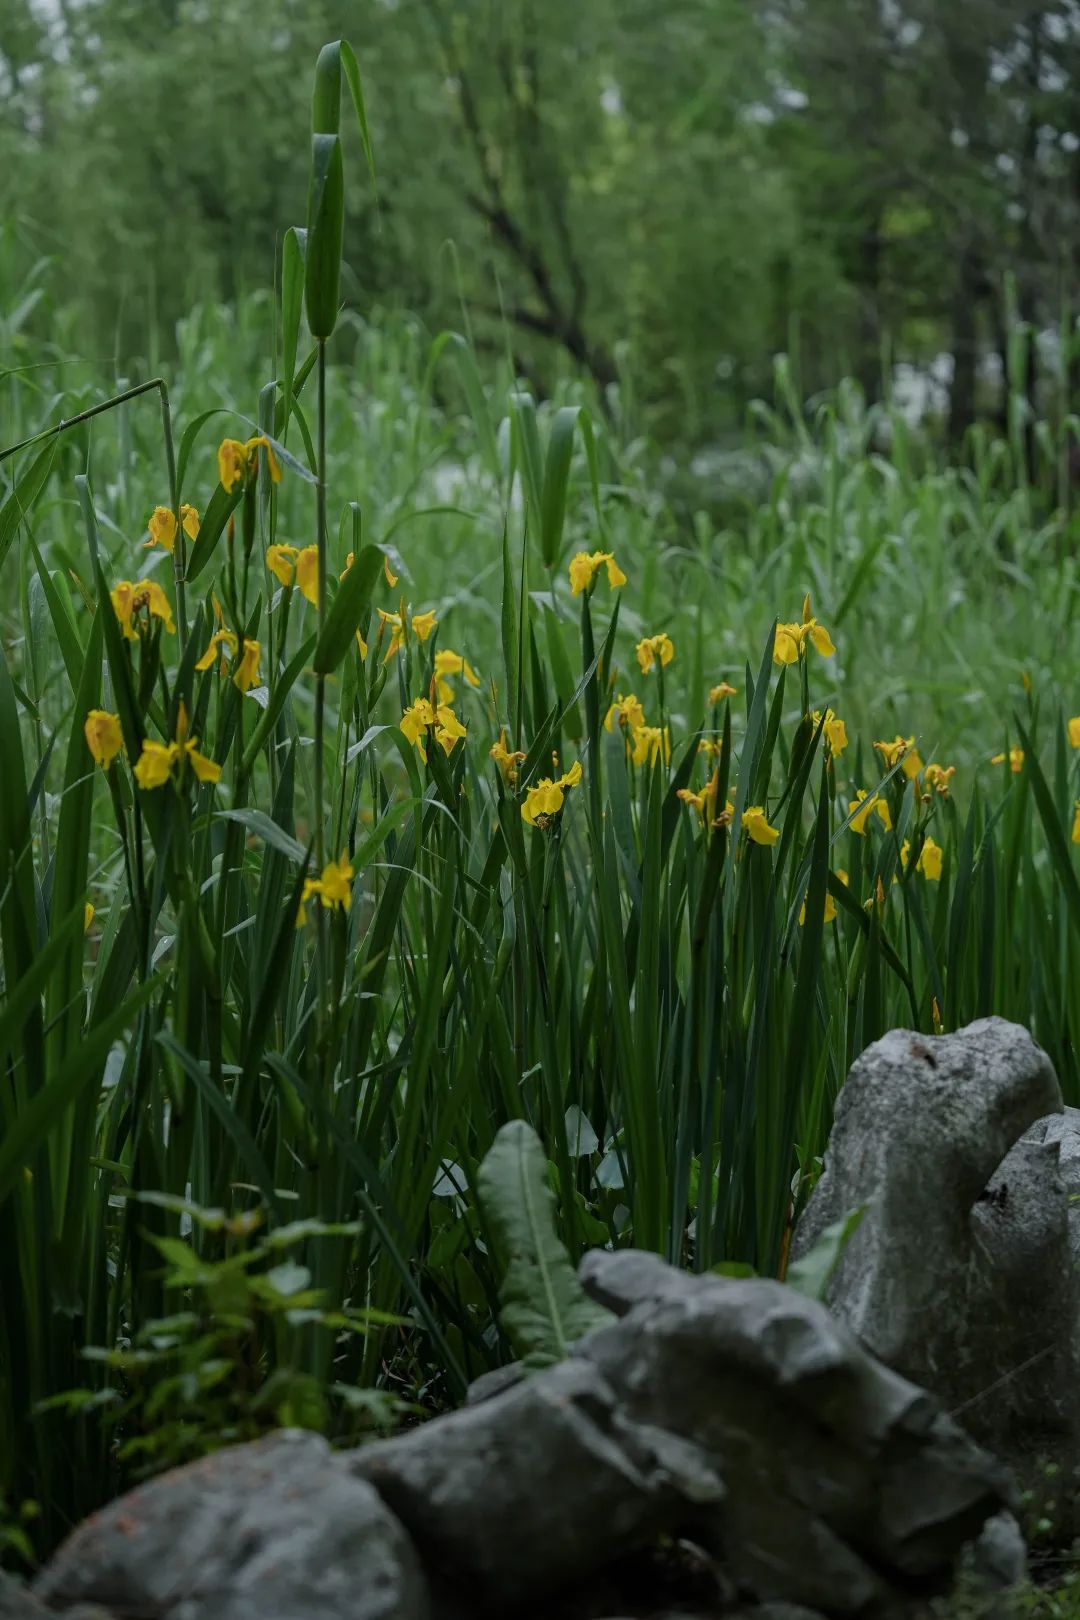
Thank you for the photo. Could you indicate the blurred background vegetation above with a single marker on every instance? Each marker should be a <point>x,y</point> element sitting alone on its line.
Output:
<point>667,195</point>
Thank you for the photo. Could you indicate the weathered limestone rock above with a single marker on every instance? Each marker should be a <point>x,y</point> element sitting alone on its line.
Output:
<point>963,1274</point>
<point>537,1487</point>
<point>848,1490</point>
<point>276,1530</point>
<point>17,1603</point>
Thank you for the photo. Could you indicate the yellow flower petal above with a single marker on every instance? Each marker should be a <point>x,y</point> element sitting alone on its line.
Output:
<point>103,736</point>
<point>246,673</point>
<point>757,825</point>
<point>281,561</point>
<point>307,574</point>
<point>162,526</point>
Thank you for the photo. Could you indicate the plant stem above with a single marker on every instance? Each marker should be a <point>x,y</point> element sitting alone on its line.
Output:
<point>179,548</point>
<point>320,701</point>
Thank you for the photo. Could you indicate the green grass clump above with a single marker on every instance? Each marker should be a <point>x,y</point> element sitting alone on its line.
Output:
<point>399,822</point>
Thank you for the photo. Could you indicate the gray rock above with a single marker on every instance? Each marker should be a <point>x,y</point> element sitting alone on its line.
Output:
<point>539,1487</point>
<point>17,1602</point>
<point>962,1274</point>
<point>848,1490</point>
<point>276,1530</point>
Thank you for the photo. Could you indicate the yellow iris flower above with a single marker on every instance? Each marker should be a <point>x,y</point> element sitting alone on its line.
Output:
<point>1074,731</point>
<point>546,799</point>
<point>790,642</point>
<point>162,526</point>
<point>103,736</point>
<point>155,764</point>
<point>704,802</point>
<point>307,574</point>
<point>237,459</point>
<point>424,716</point>
<point>835,731</point>
<point>865,807</point>
<point>830,903</point>
<point>937,777</point>
<point>281,561</point>
<point>625,711</point>
<point>647,744</point>
<point>725,689</point>
<point>904,750</point>
<point>1015,760</point>
<point>1076,824</point>
<point>506,759</point>
<point>585,567</point>
<point>333,889</point>
<point>128,600</point>
<point>654,649</point>
<point>757,825</point>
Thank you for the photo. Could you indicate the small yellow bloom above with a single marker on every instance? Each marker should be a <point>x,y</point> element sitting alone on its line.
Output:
<point>938,776</point>
<point>451,663</point>
<point>757,825</point>
<point>232,460</point>
<point>830,905</point>
<point>722,691</point>
<point>391,577</point>
<point>647,744</point>
<point>585,567</point>
<point>155,763</point>
<point>625,711</point>
<point>423,624</point>
<point>416,720</point>
<point>449,729</point>
<point>189,521</point>
<point>1074,731</point>
<point>547,797</point>
<point>865,807</point>
<point>336,883</point>
<point>246,673</point>
<point>312,888</point>
<point>281,561</point>
<point>789,643</point>
<point>128,600</point>
<point>506,759</point>
<point>654,649</point>
<point>220,638</point>
<point>705,801</point>
<point>902,749</point>
<point>103,736</point>
<point>835,731</point>
<point>1076,824</point>
<point>162,526</point>
<point>1016,760</point>
<point>88,916</point>
<point>307,574</point>
<point>261,442</point>
<point>333,889</point>
<point>237,460</point>
<point>930,860</point>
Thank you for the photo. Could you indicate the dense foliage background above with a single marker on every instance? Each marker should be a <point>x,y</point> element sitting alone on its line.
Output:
<point>669,192</point>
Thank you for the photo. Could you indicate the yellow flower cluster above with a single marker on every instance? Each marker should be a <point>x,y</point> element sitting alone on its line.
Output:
<point>155,765</point>
<point>130,600</point>
<point>332,890</point>
<point>300,567</point>
<point>423,717</point>
<point>790,641</point>
<point>507,759</point>
<point>585,567</point>
<point>652,650</point>
<point>162,526</point>
<point>240,459</point>
<point>245,668</point>
<point>546,799</point>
